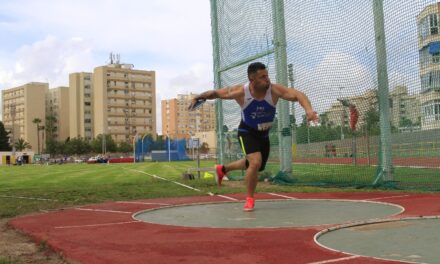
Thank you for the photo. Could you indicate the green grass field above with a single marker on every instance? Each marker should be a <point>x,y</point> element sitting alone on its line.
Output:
<point>31,188</point>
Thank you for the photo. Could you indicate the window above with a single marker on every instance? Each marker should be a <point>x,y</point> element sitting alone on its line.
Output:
<point>436,57</point>
<point>433,24</point>
<point>430,81</point>
<point>87,104</point>
<point>423,28</point>
<point>431,111</point>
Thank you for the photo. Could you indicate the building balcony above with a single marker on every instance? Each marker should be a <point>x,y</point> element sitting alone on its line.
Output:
<point>128,87</point>
<point>129,106</point>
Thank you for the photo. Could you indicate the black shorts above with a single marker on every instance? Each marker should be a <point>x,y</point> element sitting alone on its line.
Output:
<point>251,143</point>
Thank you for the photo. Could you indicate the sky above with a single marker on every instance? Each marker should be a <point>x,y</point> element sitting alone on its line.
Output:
<point>330,42</point>
<point>45,40</point>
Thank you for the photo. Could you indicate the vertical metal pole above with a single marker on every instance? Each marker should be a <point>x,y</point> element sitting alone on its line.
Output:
<point>134,149</point>
<point>281,78</point>
<point>217,79</point>
<point>342,115</point>
<point>353,148</point>
<point>169,149</point>
<point>13,112</point>
<point>293,121</point>
<point>198,158</point>
<point>382,77</point>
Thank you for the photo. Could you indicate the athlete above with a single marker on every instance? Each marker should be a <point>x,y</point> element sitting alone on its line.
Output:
<point>257,99</point>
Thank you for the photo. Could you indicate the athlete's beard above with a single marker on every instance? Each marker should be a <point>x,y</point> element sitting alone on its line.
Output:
<point>261,87</point>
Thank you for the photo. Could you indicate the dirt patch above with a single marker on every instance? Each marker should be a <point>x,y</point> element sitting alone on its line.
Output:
<point>16,247</point>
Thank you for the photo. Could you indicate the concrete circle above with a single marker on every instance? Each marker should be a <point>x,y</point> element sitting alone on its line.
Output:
<point>405,240</point>
<point>268,213</point>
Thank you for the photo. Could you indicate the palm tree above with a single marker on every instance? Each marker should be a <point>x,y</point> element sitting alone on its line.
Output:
<point>21,145</point>
<point>37,121</point>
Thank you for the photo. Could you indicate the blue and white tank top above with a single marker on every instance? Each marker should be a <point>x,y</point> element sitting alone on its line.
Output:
<point>258,115</point>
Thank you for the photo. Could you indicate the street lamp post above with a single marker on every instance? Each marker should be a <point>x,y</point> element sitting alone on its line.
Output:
<point>12,110</point>
<point>142,146</point>
<point>342,114</point>
<point>293,125</point>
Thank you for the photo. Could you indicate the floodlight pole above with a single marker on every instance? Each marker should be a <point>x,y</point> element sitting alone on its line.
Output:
<point>217,79</point>
<point>293,121</point>
<point>13,111</point>
<point>342,114</point>
<point>385,159</point>
<point>284,131</point>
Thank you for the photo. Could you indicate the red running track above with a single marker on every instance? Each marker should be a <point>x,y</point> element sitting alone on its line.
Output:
<point>107,233</point>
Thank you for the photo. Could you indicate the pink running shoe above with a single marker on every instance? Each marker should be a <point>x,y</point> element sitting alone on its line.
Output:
<point>219,174</point>
<point>249,205</point>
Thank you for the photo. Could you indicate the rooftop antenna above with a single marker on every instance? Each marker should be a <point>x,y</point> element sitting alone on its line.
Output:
<point>111,57</point>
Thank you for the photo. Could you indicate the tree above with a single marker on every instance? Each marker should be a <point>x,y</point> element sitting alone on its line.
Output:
<point>371,122</point>
<point>324,120</point>
<point>21,145</point>
<point>371,126</point>
<point>37,121</point>
<point>125,147</point>
<point>96,144</point>
<point>4,139</point>
<point>77,146</point>
<point>204,148</point>
<point>52,146</point>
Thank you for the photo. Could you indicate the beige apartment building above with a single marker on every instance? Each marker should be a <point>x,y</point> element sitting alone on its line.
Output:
<point>178,122</point>
<point>402,107</point>
<point>428,34</point>
<point>124,102</point>
<point>57,106</point>
<point>21,105</point>
<point>338,114</point>
<point>80,105</point>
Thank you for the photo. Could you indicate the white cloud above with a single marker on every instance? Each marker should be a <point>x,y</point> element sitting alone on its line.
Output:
<point>47,60</point>
<point>53,39</point>
<point>196,79</point>
<point>336,75</point>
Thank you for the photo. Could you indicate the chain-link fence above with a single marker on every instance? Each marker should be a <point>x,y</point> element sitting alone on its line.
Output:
<point>374,61</point>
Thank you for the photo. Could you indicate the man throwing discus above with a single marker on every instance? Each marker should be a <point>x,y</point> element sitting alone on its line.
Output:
<point>257,99</point>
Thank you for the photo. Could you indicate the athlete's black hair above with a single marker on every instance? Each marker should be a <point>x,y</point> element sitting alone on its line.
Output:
<point>254,67</point>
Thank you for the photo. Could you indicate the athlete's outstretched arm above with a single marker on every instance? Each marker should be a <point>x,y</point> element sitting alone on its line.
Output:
<point>229,93</point>
<point>295,95</point>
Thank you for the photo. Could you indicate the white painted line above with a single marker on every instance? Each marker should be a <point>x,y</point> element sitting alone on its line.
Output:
<point>102,210</point>
<point>227,197</point>
<point>184,185</point>
<point>283,196</point>
<point>127,202</point>
<point>334,260</point>
<point>178,183</point>
<point>28,198</point>
<point>361,223</point>
<point>387,197</point>
<point>96,225</point>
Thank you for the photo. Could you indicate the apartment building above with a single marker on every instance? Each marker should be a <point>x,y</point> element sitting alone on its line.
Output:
<point>404,109</point>
<point>178,122</point>
<point>124,102</point>
<point>339,114</point>
<point>57,113</point>
<point>80,105</point>
<point>429,65</point>
<point>21,105</point>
